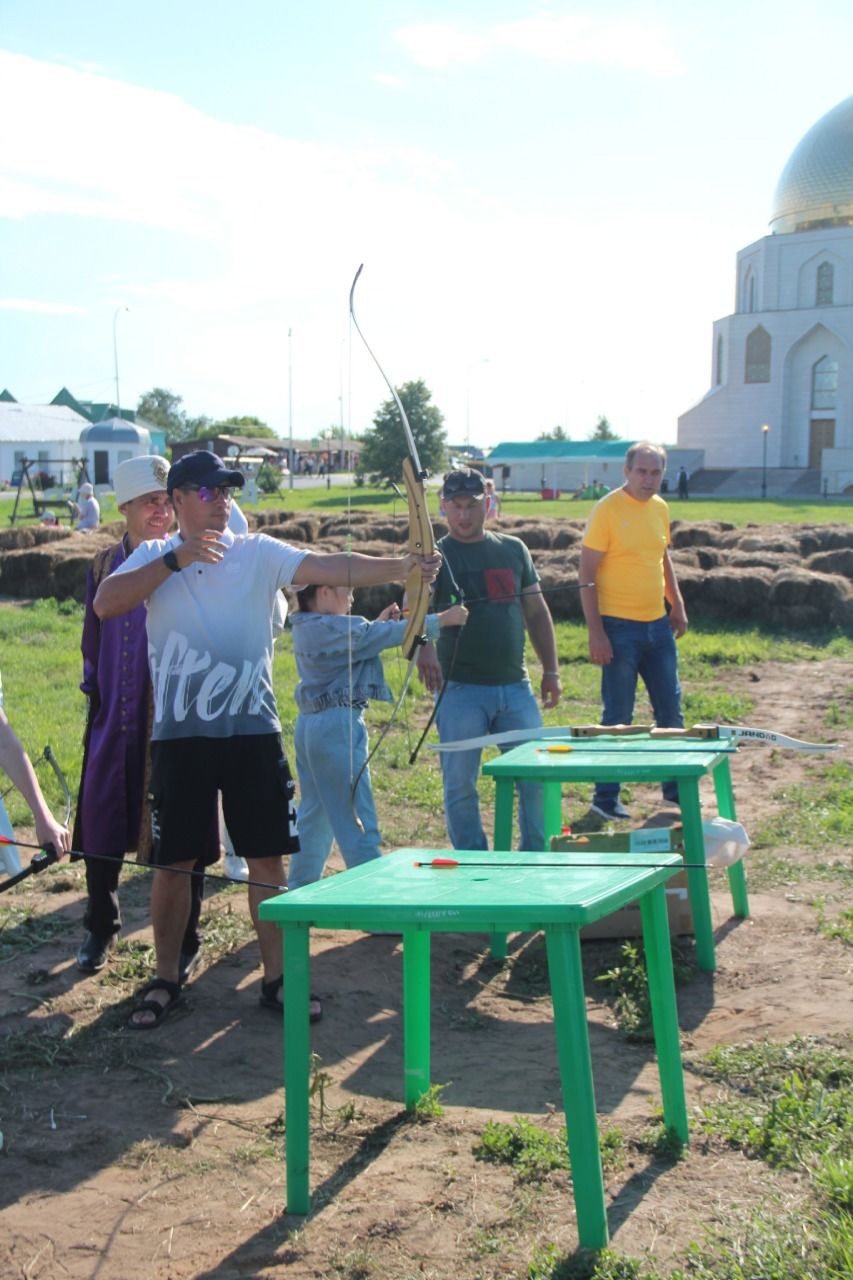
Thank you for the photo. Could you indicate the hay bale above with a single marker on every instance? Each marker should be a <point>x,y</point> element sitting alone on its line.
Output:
<point>17,538</point>
<point>536,537</point>
<point>741,595</point>
<point>566,536</point>
<point>289,531</point>
<point>802,599</point>
<point>562,595</point>
<point>785,546</point>
<point>696,535</point>
<point>27,574</point>
<point>839,561</point>
<point>763,560</point>
<point>825,537</point>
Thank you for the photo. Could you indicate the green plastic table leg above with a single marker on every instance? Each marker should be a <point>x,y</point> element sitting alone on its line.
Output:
<point>504,806</point>
<point>664,1008</point>
<point>416,1014</point>
<point>553,810</point>
<point>297,1054</point>
<point>697,877</point>
<point>726,805</point>
<point>570,1028</point>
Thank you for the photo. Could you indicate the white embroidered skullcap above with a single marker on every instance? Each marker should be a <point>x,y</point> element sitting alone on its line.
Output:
<point>146,474</point>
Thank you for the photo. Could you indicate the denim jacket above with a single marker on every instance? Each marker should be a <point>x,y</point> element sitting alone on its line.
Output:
<point>326,644</point>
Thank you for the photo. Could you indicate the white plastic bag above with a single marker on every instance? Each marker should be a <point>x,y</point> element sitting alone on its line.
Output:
<point>725,842</point>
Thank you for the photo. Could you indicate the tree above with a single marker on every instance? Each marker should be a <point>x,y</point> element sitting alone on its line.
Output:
<point>163,409</point>
<point>248,425</point>
<point>385,443</point>
<point>557,434</point>
<point>603,430</point>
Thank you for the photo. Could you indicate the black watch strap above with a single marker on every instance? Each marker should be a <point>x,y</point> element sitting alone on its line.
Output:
<point>170,560</point>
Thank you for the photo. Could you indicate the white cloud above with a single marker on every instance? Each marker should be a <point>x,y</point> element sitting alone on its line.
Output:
<point>387,81</point>
<point>41,306</point>
<point>621,44</point>
<point>440,44</point>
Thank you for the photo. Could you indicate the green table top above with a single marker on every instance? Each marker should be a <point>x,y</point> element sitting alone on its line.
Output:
<point>494,895</point>
<point>629,759</point>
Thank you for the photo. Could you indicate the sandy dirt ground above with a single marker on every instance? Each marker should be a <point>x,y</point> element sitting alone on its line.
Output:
<point>161,1154</point>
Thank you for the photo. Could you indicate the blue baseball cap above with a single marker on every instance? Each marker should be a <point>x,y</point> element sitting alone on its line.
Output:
<point>203,467</point>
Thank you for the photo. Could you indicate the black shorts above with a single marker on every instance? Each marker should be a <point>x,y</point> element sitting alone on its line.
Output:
<point>257,797</point>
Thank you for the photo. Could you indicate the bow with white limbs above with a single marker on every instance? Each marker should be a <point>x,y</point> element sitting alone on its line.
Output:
<point>584,732</point>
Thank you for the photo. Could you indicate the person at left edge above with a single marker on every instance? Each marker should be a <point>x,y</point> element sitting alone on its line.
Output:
<point>209,596</point>
<point>112,815</point>
<point>15,763</point>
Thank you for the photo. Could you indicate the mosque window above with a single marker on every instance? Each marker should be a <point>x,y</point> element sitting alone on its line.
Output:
<point>758,356</point>
<point>825,281</point>
<point>718,372</point>
<point>825,383</point>
<point>748,291</point>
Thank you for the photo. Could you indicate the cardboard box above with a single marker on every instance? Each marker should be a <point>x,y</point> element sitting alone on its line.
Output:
<point>626,923</point>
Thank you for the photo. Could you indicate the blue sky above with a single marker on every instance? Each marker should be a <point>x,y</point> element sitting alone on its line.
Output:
<point>547,197</point>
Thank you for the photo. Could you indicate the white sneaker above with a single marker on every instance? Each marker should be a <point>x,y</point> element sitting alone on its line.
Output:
<point>235,868</point>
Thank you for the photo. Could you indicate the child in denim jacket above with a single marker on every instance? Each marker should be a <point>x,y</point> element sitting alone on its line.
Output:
<point>340,670</point>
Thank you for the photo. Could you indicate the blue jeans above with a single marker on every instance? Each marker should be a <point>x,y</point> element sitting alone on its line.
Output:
<point>469,711</point>
<point>326,773</point>
<point>647,650</point>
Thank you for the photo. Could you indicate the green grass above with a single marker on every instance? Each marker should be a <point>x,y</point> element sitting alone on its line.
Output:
<point>790,1105</point>
<point>428,1106</point>
<point>626,988</point>
<point>793,1105</point>
<point>839,926</point>
<point>815,813</point>
<point>41,668</point>
<point>533,1152</point>
<point>338,498</point>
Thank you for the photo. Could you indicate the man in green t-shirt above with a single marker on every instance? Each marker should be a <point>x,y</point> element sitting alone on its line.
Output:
<point>488,688</point>
<point>625,576</point>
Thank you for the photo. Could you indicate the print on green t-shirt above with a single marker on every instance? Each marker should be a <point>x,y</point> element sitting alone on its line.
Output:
<point>491,574</point>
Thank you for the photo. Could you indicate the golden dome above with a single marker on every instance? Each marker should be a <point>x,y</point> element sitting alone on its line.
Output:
<point>816,186</point>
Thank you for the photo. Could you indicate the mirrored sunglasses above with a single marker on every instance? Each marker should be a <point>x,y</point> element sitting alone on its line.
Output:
<point>210,492</point>
<point>454,484</point>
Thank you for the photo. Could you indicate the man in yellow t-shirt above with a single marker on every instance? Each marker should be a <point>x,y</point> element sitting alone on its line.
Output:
<point>626,575</point>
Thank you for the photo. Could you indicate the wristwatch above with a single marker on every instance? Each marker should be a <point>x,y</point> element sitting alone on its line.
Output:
<point>170,560</point>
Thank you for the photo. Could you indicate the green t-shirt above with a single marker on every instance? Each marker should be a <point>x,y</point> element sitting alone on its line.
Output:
<point>491,574</point>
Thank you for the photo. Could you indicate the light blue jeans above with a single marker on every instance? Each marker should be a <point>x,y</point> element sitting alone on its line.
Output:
<point>469,711</point>
<point>645,650</point>
<point>325,772</point>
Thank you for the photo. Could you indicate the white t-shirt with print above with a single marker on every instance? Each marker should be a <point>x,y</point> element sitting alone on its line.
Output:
<point>210,637</point>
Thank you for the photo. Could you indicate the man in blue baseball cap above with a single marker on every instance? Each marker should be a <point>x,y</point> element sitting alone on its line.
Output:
<point>202,469</point>
<point>210,598</point>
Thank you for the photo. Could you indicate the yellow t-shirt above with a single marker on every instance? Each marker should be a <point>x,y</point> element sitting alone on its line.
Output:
<point>634,537</point>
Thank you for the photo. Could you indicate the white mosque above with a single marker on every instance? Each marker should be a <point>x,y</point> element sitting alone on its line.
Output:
<point>782,365</point>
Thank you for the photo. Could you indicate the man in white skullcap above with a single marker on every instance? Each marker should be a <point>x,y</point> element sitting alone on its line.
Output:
<point>112,807</point>
<point>90,511</point>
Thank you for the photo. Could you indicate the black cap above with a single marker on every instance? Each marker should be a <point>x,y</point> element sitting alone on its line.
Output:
<point>202,467</point>
<point>463,481</point>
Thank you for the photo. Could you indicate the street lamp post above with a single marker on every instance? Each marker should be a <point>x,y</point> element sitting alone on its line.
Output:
<point>116,315</point>
<point>765,430</point>
<point>290,401</point>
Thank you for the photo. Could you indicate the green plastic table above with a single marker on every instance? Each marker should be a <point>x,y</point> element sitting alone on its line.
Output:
<point>554,892</point>
<point>629,759</point>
